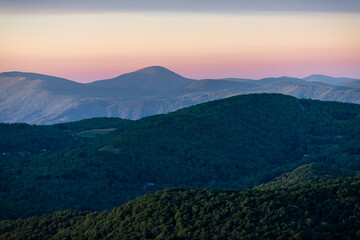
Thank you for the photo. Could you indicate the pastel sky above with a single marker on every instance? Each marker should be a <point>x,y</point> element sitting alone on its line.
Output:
<point>89,40</point>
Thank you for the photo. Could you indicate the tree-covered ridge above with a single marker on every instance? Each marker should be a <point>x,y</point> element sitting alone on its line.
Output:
<point>94,123</point>
<point>28,139</point>
<point>24,138</point>
<point>235,143</point>
<point>315,211</point>
<point>315,172</point>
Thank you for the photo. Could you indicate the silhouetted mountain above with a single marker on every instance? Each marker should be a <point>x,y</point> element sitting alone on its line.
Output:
<point>243,80</point>
<point>12,82</point>
<point>155,78</point>
<point>41,99</point>
<point>267,81</point>
<point>313,90</point>
<point>327,79</point>
<point>210,85</point>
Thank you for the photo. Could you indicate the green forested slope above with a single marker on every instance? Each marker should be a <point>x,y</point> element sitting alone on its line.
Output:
<point>94,123</point>
<point>315,172</point>
<point>23,138</point>
<point>315,211</point>
<point>234,143</point>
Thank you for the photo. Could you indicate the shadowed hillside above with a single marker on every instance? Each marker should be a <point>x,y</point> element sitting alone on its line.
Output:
<point>234,143</point>
<point>317,211</point>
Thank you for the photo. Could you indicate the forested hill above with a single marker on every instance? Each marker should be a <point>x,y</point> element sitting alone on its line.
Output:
<point>319,211</point>
<point>315,172</point>
<point>234,143</point>
<point>26,140</point>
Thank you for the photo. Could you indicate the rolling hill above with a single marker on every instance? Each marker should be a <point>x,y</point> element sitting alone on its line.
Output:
<point>41,99</point>
<point>327,79</point>
<point>313,173</point>
<point>234,143</point>
<point>156,78</point>
<point>317,211</point>
<point>352,84</point>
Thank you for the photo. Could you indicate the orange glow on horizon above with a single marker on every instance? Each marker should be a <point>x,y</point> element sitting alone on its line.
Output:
<point>87,47</point>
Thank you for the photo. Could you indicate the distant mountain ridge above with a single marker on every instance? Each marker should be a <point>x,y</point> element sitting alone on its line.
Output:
<point>42,99</point>
<point>154,78</point>
<point>328,79</point>
<point>352,84</point>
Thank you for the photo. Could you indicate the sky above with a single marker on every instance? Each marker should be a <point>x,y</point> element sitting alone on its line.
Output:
<point>87,40</point>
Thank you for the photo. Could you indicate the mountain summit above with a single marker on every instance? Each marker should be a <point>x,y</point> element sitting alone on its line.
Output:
<point>153,78</point>
<point>155,70</point>
<point>25,80</point>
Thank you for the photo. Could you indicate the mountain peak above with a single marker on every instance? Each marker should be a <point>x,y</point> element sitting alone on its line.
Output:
<point>153,78</point>
<point>154,70</point>
<point>30,76</point>
<point>316,75</point>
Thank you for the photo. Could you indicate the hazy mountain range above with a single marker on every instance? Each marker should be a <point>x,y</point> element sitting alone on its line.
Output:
<point>42,99</point>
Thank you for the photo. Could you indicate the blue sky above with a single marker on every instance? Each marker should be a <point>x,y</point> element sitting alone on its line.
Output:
<point>208,6</point>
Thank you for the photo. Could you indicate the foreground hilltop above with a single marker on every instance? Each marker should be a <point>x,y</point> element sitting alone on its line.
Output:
<point>41,99</point>
<point>312,211</point>
<point>234,143</point>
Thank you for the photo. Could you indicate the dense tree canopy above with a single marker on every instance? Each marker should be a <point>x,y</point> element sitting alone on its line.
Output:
<point>315,172</point>
<point>329,210</point>
<point>234,143</point>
